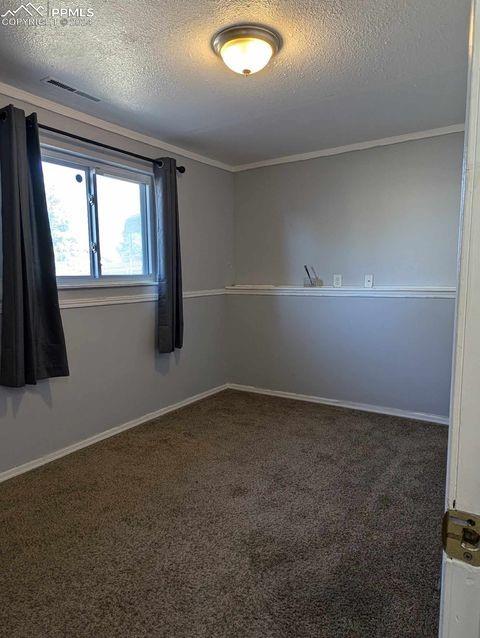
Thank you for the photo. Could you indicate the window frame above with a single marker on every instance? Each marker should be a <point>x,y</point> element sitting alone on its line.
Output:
<point>93,166</point>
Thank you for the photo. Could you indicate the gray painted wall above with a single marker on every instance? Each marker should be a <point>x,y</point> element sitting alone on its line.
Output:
<point>205,199</point>
<point>387,352</point>
<point>115,375</point>
<point>390,211</point>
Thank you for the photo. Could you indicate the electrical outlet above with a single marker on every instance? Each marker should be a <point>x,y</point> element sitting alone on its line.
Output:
<point>368,281</point>
<point>337,281</point>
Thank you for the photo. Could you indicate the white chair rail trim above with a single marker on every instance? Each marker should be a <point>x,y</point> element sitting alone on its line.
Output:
<point>432,292</point>
<point>285,291</point>
<point>267,290</point>
<point>136,298</point>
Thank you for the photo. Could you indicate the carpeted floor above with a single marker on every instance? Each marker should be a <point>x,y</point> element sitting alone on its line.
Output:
<point>239,516</point>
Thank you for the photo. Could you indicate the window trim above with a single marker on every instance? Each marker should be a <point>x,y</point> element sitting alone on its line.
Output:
<point>59,152</point>
<point>93,166</point>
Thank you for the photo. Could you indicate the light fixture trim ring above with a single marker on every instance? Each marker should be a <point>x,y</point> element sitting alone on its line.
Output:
<point>247,31</point>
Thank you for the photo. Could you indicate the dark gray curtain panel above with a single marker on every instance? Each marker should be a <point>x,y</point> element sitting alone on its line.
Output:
<point>33,344</point>
<point>170,298</point>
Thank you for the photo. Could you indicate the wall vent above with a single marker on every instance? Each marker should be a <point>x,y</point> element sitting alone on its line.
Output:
<point>70,89</point>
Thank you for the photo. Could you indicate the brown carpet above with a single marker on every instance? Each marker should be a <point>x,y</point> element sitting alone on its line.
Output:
<point>239,516</point>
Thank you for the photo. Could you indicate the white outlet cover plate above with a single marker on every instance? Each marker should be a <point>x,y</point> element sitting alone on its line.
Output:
<point>337,281</point>
<point>368,281</point>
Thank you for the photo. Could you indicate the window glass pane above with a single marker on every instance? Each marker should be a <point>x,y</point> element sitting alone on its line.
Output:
<point>65,188</point>
<point>120,225</point>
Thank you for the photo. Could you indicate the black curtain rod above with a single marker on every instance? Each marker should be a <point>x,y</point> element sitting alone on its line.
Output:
<point>180,169</point>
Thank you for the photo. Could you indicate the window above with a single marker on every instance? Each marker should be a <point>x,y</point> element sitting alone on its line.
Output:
<point>99,218</point>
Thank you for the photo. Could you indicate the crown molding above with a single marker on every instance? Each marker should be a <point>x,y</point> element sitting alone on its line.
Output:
<point>80,116</point>
<point>359,146</point>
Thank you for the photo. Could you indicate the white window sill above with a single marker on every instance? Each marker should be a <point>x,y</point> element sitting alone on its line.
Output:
<point>125,283</point>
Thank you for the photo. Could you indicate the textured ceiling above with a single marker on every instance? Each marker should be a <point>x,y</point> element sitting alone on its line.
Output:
<point>349,71</point>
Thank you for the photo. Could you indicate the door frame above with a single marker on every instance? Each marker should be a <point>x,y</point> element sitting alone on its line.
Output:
<point>460,599</point>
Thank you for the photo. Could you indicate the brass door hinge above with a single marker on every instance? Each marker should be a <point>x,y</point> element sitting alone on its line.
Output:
<point>461,536</point>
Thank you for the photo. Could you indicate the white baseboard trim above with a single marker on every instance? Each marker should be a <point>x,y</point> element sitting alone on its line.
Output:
<point>364,407</point>
<point>26,467</point>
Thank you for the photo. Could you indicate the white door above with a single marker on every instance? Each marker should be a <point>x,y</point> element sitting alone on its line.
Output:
<point>460,610</point>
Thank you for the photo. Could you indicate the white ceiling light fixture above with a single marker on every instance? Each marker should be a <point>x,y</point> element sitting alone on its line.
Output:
<point>246,48</point>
